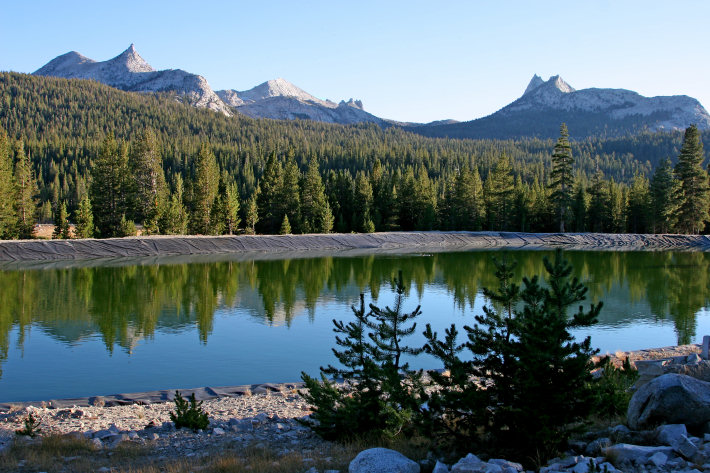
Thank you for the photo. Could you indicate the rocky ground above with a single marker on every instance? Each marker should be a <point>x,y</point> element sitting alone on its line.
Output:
<point>270,420</point>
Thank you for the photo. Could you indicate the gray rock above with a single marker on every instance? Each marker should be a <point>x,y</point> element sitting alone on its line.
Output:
<point>627,453</point>
<point>669,434</point>
<point>671,398</point>
<point>114,439</point>
<point>440,468</point>
<point>97,443</point>
<point>218,431</point>
<point>659,459</point>
<point>102,434</point>
<point>469,464</point>
<point>685,447</point>
<point>620,429</point>
<point>382,460</point>
<point>506,464</point>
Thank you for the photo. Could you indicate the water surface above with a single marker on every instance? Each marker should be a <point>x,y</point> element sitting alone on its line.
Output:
<point>137,327</point>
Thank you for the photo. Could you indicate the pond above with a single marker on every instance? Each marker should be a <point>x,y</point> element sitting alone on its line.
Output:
<point>119,327</point>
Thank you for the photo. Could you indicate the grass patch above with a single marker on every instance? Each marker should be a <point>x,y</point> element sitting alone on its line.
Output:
<point>55,454</point>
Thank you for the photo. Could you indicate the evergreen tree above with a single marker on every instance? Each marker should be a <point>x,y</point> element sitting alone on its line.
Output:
<point>617,207</point>
<point>639,207</point>
<point>232,209</point>
<point>109,188</point>
<point>268,200</point>
<point>664,193</point>
<point>204,189</point>
<point>218,212</point>
<point>251,217</point>
<point>25,192</point>
<point>499,195</point>
<point>8,217</point>
<point>362,219</point>
<point>579,208</point>
<point>561,178</point>
<point>537,382</point>
<point>381,394</point>
<point>285,226</point>
<point>84,219</point>
<point>61,222</point>
<point>174,220</point>
<point>694,189</point>
<point>149,187</point>
<point>598,212</point>
<point>315,211</point>
<point>289,195</point>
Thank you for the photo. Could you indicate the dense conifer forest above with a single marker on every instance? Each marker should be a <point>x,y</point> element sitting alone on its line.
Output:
<point>106,160</point>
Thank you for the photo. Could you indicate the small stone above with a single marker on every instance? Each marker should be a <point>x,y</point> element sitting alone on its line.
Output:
<point>133,435</point>
<point>218,431</point>
<point>440,468</point>
<point>97,443</point>
<point>659,459</point>
<point>153,436</point>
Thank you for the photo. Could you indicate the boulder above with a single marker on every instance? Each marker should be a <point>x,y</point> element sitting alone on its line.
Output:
<point>469,464</point>
<point>382,460</point>
<point>440,468</point>
<point>640,455</point>
<point>671,398</point>
<point>669,434</point>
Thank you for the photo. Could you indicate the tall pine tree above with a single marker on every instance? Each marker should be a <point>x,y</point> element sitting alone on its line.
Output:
<point>8,217</point>
<point>109,188</point>
<point>664,194</point>
<point>25,192</point>
<point>204,189</point>
<point>561,179</point>
<point>694,188</point>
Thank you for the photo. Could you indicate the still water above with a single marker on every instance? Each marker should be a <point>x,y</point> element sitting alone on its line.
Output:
<point>121,327</point>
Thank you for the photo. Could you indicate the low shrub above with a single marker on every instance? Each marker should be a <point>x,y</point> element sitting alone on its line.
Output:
<point>189,413</point>
<point>31,428</point>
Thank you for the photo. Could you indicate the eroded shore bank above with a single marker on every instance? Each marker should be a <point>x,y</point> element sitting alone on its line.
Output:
<point>249,246</point>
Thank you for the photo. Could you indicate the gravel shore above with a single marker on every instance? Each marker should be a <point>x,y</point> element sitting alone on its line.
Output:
<point>265,418</point>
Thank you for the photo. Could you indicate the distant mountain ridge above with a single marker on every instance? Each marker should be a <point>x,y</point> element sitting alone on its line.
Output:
<point>587,112</point>
<point>130,72</point>
<point>276,99</point>
<point>537,113</point>
<point>281,100</point>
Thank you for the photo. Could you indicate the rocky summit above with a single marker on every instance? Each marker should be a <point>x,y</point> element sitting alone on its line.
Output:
<point>130,72</point>
<point>279,99</point>
<point>537,113</point>
<point>587,112</point>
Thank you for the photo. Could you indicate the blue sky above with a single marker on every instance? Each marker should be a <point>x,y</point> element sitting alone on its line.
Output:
<point>406,60</point>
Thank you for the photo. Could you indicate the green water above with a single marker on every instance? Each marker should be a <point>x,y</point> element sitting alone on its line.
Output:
<point>135,327</point>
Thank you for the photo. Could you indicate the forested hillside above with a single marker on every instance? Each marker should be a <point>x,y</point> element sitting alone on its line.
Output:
<point>103,159</point>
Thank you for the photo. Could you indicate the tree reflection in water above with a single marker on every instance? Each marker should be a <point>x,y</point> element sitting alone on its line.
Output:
<point>126,303</point>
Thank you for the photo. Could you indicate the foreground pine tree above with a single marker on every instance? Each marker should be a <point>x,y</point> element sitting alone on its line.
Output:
<point>377,394</point>
<point>528,381</point>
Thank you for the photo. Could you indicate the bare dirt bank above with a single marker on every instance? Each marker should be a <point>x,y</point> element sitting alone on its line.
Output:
<point>138,247</point>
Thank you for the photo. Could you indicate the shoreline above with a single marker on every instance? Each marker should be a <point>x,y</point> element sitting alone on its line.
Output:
<point>209,393</point>
<point>255,246</point>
